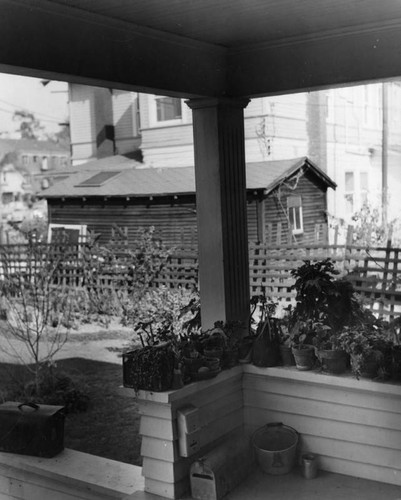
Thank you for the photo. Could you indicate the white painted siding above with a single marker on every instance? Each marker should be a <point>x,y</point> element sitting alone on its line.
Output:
<point>220,412</point>
<point>125,120</point>
<point>82,123</point>
<point>354,426</point>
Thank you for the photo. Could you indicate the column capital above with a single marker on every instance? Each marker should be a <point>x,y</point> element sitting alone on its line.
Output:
<point>218,102</point>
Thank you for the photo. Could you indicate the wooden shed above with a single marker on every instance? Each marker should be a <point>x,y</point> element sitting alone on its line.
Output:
<point>280,195</point>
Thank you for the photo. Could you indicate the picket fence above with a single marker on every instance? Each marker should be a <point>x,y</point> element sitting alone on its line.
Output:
<point>375,272</point>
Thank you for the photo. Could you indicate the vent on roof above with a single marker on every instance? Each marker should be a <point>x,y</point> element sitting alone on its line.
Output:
<point>98,180</point>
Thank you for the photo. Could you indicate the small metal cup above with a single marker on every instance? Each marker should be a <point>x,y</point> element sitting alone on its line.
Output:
<point>309,466</point>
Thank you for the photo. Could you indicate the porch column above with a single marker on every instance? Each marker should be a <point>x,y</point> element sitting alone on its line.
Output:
<point>218,126</point>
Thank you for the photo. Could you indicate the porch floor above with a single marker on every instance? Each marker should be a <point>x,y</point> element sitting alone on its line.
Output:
<point>326,486</point>
<point>292,486</point>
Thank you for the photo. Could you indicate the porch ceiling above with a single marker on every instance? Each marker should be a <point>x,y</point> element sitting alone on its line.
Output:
<point>205,47</point>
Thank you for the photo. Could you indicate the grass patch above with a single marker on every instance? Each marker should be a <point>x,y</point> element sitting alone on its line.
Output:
<point>109,428</point>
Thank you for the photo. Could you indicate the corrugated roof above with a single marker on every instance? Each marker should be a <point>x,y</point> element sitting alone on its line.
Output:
<point>143,182</point>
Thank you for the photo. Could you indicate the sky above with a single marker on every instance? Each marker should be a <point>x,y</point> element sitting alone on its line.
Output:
<point>49,103</point>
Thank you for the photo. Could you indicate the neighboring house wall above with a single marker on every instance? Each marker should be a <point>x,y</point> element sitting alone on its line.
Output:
<point>165,143</point>
<point>104,122</point>
<point>274,129</point>
<point>37,161</point>
<point>12,194</point>
<point>340,129</point>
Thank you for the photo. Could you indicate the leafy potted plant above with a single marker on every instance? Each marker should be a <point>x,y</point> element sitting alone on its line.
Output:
<point>233,331</point>
<point>150,366</point>
<point>331,355</point>
<point>302,350</point>
<point>395,337</point>
<point>368,344</point>
<point>265,349</point>
<point>324,305</point>
<point>285,340</point>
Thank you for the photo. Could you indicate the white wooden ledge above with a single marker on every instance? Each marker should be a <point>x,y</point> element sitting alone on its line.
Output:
<point>71,474</point>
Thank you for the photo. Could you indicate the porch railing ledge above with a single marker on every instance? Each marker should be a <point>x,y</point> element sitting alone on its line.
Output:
<point>346,380</point>
<point>91,475</point>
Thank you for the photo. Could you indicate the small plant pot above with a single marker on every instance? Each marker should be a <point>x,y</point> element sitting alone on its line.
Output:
<point>192,365</point>
<point>212,363</point>
<point>333,361</point>
<point>245,347</point>
<point>367,369</point>
<point>304,357</point>
<point>230,358</point>
<point>287,358</point>
<point>213,353</point>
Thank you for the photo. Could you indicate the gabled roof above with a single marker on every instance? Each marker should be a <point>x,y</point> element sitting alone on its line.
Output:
<point>144,182</point>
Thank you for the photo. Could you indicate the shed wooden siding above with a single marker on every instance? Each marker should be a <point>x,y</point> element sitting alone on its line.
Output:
<point>353,426</point>
<point>314,207</point>
<point>172,221</point>
<point>220,412</point>
<point>175,220</point>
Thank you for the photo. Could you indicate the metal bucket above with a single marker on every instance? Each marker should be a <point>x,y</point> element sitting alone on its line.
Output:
<point>275,446</point>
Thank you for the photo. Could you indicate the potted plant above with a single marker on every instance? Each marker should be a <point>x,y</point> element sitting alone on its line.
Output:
<point>214,342</point>
<point>324,305</point>
<point>368,345</point>
<point>246,342</point>
<point>331,355</point>
<point>302,350</point>
<point>395,337</point>
<point>285,341</point>
<point>265,349</point>
<point>233,331</point>
<point>151,365</point>
<point>149,368</point>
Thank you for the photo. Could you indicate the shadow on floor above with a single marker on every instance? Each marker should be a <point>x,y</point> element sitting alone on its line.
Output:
<point>326,486</point>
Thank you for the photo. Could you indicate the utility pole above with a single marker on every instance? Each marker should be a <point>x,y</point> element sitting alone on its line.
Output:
<point>384,152</point>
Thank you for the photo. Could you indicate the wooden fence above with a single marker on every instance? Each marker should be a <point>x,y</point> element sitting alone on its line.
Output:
<point>375,272</point>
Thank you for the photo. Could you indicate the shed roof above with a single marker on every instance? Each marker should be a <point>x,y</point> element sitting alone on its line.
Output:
<point>144,182</point>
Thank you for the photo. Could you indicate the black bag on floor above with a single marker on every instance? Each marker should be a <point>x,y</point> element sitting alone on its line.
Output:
<point>31,429</point>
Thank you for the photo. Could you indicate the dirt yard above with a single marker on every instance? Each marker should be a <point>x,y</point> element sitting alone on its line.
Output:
<point>90,341</point>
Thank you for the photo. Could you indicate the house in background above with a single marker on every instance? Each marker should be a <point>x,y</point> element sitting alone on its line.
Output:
<point>38,161</point>
<point>103,122</point>
<point>341,130</point>
<point>286,200</point>
<point>13,194</point>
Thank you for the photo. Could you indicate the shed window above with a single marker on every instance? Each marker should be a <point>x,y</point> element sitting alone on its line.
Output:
<point>294,207</point>
<point>68,234</point>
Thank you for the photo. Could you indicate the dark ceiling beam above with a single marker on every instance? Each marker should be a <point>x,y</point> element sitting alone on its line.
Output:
<point>40,38</point>
<point>300,65</point>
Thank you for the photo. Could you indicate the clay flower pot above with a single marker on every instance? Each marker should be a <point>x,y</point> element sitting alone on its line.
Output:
<point>304,357</point>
